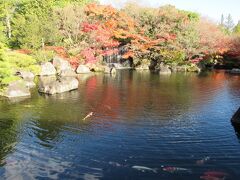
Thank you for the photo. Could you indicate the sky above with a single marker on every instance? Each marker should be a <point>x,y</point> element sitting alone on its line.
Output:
<point>213,9</point>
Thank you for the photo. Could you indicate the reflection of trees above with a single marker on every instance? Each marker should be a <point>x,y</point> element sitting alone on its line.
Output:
<point>130,94</point>
<point>11,119</point>
<point>8,136</point>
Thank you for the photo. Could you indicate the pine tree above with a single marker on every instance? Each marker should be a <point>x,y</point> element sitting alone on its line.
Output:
<point>229,24</point>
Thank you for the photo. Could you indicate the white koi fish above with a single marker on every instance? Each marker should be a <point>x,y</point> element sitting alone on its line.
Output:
<point>143,168</point>
<point>88,116</point>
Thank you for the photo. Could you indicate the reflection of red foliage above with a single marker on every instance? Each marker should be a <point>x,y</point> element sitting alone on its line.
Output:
<point>110,102</point>
<point>105,101</point>
<point>91,87</point>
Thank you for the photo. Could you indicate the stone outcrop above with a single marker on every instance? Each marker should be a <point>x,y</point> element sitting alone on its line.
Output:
<point>176,68</point>
<point>236,117</point>
<point>143,67</point>
<point>17,89</point>
<point>95,67</point>
<point>164,69</point>
<point>52,85</point>
<point>67,73</point>
<point>83,69</point>
<point>47,69</point>
<point>235,71</point>
<point>61,64</point>
<point>28,77</point>
<point>110,70</point>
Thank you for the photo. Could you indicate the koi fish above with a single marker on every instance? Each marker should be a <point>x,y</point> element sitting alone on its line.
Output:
<point>88,116</point>
<point>114,164</point>
<point>212,178</point>
<point>203,161</point>
<point>176,169</point>
<point>215,174</point>
<point>143,168</point>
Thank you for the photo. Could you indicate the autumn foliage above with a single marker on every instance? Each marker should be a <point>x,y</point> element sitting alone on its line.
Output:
<point>84,33</point>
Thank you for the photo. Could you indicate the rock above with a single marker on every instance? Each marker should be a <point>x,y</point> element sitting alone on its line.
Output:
<point>30,84</point>
<point>26,75</point>
<point>28,78</point>
<point>193,68</point>
<point>17,89</point>
<point>47,69</point>
<point>236,117</point>
<point>61,64</point>
<point>110,70</point>
<point>82,69</point>
<point>95,67</point>
<point>68,73</point>
<point>56,86</point>
<point>117,66</point>
<point>177,68</point>
<point>143,67</point>
<point>107,70</point>
<point>113,71</point>
<point>235,71</point>
<point>164,69</point>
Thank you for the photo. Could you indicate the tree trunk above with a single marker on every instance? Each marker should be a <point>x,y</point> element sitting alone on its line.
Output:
<point>8,24</point>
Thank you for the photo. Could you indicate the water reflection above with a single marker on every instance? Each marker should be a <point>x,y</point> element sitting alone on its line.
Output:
<point>138,119</point>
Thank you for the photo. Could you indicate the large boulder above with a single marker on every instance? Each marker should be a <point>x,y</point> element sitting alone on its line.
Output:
<point>95,67</point>
<point>30,84</point>
<point>142,67</point>
<point>110,70</point>
<point>177,68</point>
<point>83,69</point>
<point>56,86</point>
<point>28,77</point>
<point>235,71</point>
<point>194,68</point>
<point>68,73</point>
<point>47,69</point>
<point>17,89</point>
<point>61,64</point>
<point>164,69</point>
<point>236,117</point>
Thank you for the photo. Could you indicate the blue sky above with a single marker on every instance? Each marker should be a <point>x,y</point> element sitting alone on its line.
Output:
<point>208,8</point>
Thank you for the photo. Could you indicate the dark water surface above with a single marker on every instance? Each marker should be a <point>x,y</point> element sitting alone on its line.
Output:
<point>139,119</point>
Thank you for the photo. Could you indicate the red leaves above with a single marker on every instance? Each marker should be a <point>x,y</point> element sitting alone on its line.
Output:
<point>89,55</point>
<point>87,27</point>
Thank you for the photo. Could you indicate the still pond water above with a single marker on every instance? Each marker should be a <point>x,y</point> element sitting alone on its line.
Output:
<point>139,119</point>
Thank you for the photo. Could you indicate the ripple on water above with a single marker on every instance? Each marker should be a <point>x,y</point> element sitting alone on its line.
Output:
<point>138,120</point>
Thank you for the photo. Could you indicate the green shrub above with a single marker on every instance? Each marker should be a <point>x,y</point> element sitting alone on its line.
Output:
<point>43,56</point>
<point>11,61</point>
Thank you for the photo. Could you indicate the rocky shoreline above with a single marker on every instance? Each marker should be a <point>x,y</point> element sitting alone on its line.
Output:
<point>58,76</point>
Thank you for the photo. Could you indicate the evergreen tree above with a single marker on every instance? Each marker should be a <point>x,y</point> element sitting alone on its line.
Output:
<point>229,24</point>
